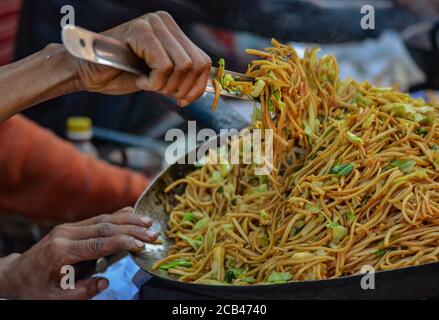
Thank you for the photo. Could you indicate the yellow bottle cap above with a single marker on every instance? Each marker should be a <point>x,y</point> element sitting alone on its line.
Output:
<point>79,124</point>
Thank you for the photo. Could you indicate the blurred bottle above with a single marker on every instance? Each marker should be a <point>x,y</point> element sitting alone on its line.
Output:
<point>80,133</point>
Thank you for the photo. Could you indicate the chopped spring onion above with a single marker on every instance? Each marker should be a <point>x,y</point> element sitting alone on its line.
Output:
<point>176,263</point>
<point>188,216</point>
<point>263,179</point>
<point>351,217</point>
<point>342,170</point>
<point>422,131</point>
<point>233,273</point>
<point>354,138</point>
<point>216,177</point>
<point>382,252</point>
<point>262,188</point>
<point>201,223</point>
<point>405,166</point>
<point>279,277</point>
<point>194,243</point>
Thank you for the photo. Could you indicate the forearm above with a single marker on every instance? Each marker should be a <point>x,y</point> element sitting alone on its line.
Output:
<point>44,177</point>
<point>44,75</point>
<point>8,289</point>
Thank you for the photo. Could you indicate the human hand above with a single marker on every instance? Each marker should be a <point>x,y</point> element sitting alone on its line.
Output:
<point>179,69</point>
<point>36,273</point>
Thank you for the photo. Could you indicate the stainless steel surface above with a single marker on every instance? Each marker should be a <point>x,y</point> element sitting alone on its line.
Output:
<point>100,49</point>
<point>152,204</point>
<point>96,48</point>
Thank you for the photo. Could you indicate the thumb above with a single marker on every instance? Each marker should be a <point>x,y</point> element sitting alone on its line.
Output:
<point>86,289</point>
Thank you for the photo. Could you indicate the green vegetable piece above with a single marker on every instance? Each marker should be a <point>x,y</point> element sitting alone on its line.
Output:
<point>264,214</point>
<point>405,166</point>
<point>368,122</point>
<point>308,130</point>
<point>263,187</point>
<point>176,263</point>
<point>338,232</point>
<point>354,138</point>
<point>312,209</point>
<point>222,63</point>
<point>342,170</point>
<point>403,110</point>
<point>201,224</point>
<point>216,177</point>
<point>423,119</point>
<point>263,179</point>
<point>233,273</point>
<point>362,101</point>
<point>382,252</point>
<point>188,216</point>
<point>257,88</point>
<point>247,279</point>
<point>228,226</point>
<point>194,243</point>
<point>263,240</point>
<point>351,217</point>
<point>422,131</point>
<point>279,277</point>
<point>226,80</point>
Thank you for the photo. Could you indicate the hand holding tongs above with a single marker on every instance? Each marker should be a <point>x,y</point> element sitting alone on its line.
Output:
<point>100,49</point>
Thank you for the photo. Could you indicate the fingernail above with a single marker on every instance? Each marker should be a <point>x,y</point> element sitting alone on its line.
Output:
<point>102,284</point>
<point>146,220</point>
<point>151,234</point>
<point>139,243</point>
<point>183,103</point>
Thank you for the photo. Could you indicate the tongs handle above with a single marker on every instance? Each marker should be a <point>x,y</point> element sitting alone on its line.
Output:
<point>97,48</point>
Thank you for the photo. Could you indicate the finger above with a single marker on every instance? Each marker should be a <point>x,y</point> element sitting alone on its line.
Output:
<point>201,63</point>
<point>145,44</point>
<point>197,90</point>
<point>124,216</point>
<point>181,60</point>
<point>107,229</point>
<point>85,289</point>
<point>197,78</point>
<point>88,249</point>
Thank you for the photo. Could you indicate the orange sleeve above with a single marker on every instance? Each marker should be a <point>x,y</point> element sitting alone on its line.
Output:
<point>44,177</point>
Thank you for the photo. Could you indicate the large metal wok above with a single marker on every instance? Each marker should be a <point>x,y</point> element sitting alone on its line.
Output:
<point>410,282</point>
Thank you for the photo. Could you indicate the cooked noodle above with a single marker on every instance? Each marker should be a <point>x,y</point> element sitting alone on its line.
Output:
<point>355,183</point>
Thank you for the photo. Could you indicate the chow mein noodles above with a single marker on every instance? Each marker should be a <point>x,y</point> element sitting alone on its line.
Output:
<point>355,182</point>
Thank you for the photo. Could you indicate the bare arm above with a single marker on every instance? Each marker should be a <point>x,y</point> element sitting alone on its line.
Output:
<point>44,75</point>
<point>179,69</point>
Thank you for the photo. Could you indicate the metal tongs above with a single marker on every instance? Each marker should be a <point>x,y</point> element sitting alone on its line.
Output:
<point>100,49</point>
